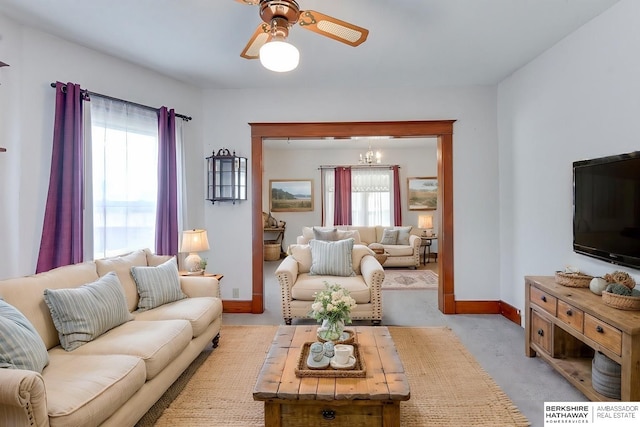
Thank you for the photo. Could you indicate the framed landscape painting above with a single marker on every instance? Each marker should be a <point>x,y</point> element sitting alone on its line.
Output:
<point>291,195</point>
<point>422,193</point>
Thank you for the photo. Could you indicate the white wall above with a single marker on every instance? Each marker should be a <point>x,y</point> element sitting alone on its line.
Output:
<point>221,120</point>
<point>26,127</point>
<point>578,100</point>
<point>303,164</point>
<point>475,172</point>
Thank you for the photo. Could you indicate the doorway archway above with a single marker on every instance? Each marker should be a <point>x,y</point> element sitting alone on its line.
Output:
<point>441,129</point>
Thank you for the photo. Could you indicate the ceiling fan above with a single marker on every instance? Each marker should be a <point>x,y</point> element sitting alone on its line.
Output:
<point>279,16</point>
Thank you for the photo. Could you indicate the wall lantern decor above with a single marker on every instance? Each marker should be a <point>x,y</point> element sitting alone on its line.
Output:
<point>226,177</point>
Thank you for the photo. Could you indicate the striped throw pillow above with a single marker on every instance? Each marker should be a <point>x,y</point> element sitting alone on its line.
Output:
<point>20,345</point>
<point>157,285</point>
<point>331,258</point>
<point>82,314</point>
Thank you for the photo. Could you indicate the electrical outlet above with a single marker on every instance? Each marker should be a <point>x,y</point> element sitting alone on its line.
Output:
<point>236,293</point>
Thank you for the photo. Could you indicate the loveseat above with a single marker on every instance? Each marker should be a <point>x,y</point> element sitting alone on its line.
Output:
<point>401,247</point>
<point>108,378</point>
<point>309,267</point>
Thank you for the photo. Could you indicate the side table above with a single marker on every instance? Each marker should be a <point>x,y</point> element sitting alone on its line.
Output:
<point>217,276</point>
<point>426,246</point>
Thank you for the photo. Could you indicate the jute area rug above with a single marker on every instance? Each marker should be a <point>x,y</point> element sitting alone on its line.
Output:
<point>448,386</point>
<point>409,279</point>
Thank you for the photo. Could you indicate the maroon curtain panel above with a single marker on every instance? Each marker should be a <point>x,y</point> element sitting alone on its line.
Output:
<point>342,202</point>
<point>397,201</point>
<point>167,207</point>
<point>62,238</point>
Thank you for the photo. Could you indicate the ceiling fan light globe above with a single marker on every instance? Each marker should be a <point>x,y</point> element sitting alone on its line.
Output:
<point>279,56</point>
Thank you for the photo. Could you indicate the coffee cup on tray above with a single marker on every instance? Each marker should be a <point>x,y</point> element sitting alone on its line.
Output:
<point>342,353</point>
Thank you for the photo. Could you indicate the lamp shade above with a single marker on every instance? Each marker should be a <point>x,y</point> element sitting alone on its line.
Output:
<point>279,56</point>
<point>425,221</point>
<point>194,241</point>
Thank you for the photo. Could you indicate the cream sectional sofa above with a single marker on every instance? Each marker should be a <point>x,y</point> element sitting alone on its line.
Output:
<point>115,378</point>
<point>405,253</point>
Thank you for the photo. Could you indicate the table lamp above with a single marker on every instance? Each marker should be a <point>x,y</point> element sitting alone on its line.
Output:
<point>194,241</point>
<point>426,222</point>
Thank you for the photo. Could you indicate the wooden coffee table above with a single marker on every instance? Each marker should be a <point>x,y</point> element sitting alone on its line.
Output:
<point>372,401</point>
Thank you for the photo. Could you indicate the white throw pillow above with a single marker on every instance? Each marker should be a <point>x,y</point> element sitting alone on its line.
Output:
<point>302,254</point>
<point>349,234</point>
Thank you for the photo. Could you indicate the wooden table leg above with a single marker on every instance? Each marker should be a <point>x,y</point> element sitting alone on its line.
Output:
<point>272,414</point>
<point>391,414</point>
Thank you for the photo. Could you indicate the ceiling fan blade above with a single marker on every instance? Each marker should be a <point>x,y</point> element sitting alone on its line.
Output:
<point>332,27</point>
<point>259,38</point>
<point>249,2</point>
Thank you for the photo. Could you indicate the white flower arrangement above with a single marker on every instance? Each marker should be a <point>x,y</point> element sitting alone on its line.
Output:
<point>333,304</point>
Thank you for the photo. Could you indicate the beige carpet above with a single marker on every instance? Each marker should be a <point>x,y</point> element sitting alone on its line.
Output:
<point>409,279</point>
<point>448,387</point>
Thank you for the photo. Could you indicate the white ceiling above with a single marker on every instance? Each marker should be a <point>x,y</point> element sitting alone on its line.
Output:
<point>411,42</point>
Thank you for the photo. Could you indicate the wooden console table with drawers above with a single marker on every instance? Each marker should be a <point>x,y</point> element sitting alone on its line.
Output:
<point>565,326</point>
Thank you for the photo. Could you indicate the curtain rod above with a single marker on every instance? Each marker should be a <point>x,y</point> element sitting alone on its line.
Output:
<point>357,166</point>
<point>182,116</point>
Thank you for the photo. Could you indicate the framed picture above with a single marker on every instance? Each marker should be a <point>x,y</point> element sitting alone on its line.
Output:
<point>422,193</point>
<point>291,195</point>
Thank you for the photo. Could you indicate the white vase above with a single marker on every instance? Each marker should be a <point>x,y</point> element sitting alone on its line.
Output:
<point>331,331</point>
<point>597,285</point>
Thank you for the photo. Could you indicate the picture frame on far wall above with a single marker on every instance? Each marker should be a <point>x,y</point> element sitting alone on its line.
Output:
<point>422,193</point>
<point>291,195</point>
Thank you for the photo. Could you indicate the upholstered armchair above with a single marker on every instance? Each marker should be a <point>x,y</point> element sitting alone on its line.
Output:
<point>305,271</point>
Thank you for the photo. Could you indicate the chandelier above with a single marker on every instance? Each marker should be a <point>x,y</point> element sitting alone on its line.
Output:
<point>370,157</point>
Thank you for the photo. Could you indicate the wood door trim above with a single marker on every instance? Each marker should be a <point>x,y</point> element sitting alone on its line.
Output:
<point>442,129</point>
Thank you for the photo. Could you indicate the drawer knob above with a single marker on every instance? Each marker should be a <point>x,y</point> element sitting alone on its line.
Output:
<point>541,332</point>
<point>543,298</point>
<point>329,414</point>
<point>569,312</point>
<point>599,329</point>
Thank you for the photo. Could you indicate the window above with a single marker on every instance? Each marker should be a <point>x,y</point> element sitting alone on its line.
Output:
<point>121,181</point>
<point>371,196</point>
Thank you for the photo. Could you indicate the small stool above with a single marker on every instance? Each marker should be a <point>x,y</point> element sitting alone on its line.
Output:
<point>379,252</point>
<point>381,257</point>
<point>377,248</point>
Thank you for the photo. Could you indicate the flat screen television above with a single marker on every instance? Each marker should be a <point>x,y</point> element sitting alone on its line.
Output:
<point>606,208</point>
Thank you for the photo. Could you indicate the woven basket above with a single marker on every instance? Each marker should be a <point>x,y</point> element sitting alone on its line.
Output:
<point>573,280</point>
<point>302,370</point>
<point>271,251</point>
<point>623,302</point>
